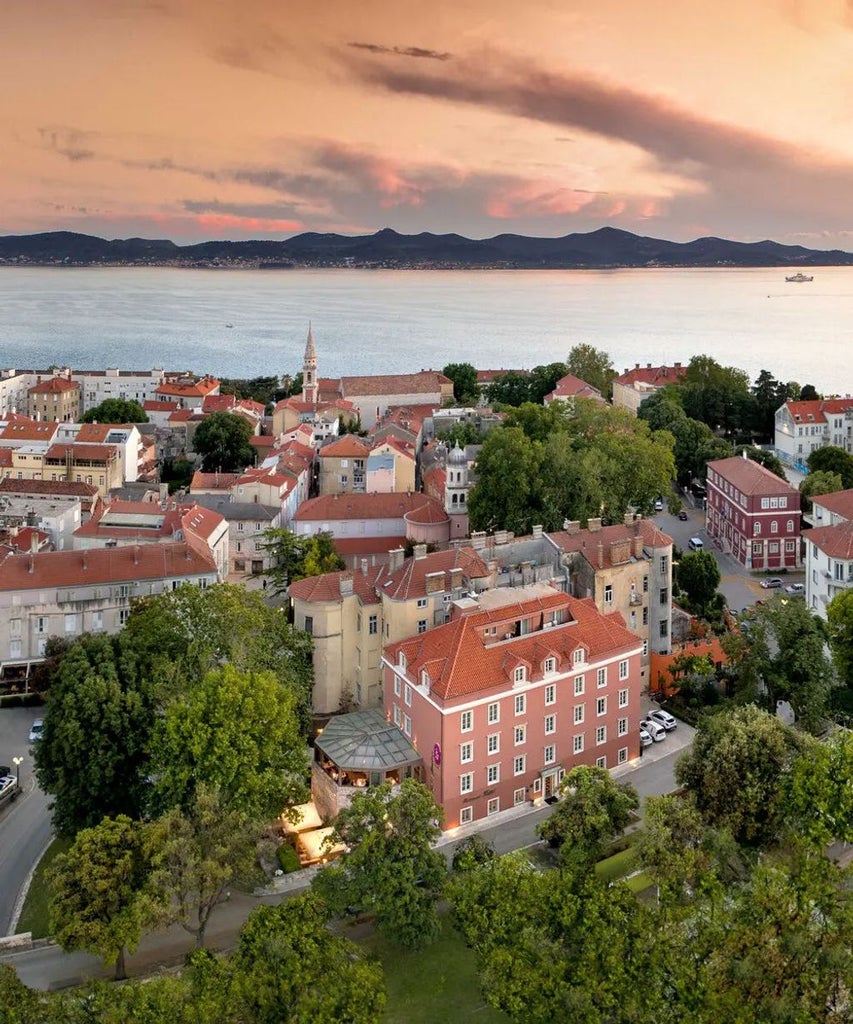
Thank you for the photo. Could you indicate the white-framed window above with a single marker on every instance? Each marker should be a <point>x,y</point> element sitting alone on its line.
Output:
<point>537,785</point>
<point>466,815</point>
<point>608,593</point>
<point>493,743</point>
<point>372,625</point>
<point>398,715</point>
<point>550,725</point>
<point>601,762</point>
<point>519,764</point>
<point>623,698</point>
<point>466,721</point>
<point>601,706</point>
<point>774,527</point>
<point>396,685</point>
<point>664,564</point>
<point>577,743</point>
<point>401,660</point>
<point>550,754</point>
<point>71,622</point>
<point>14,627</point>
<point>407,695</point>
<point>622,755</point>
<point>493,774</point>
<point>520,703</point>
<point>601,677</point>
<point>623,669</point>
<point>422,602</point>
<point>520,735</point>
<point>493,714</point>
<point>407,725</point>
<point>466,752</point>
<point>41,624</point>
<point>519,796</point>
<point>601,734</point>
<point>765,503</point>
<point>14,648</point>
<point>424,678</point>
<point>550,665</point>
<point>756,529</point>
<point>550,694</point>
<point>578,656</point>
<point>494,805</point>
<point>422,625</point>
<point>579,685</point>
<point>466,783</point>
<point>622,727</point>
<point>578,714</point>
<point>520,674</point>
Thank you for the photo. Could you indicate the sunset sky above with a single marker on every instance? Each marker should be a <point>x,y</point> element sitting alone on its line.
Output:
<point>195,119</point>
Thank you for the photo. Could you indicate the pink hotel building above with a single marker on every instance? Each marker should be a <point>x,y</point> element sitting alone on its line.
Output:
<point>519,687</point>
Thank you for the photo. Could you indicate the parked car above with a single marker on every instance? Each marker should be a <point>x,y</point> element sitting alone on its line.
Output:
<point>795,588</point>
<point>36,730</point>
<point>663,718</point>
<point>645,739</point>
<point>659,505</point>
<point>771,583</point>
<point>657,732</point>
<point>683,516</point>
<point>9,788</point>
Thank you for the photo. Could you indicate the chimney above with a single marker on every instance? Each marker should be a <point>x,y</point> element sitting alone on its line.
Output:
<point>600,555</point>
<point>648,366</point>
<point>434,582</point>
<point>628,519</point>
<point>85,563</point>
<point>636,366</point>
<point>136,554</point>
<point>455,579</point>
<point>346,584</point>
<point>364,567</point>
<point>478,540</point>
<point>677,366</point>
<point>573,526</point>
<point>420,551</point>
<point>638,546</point>
<point>32,567</point>
<point>537,533</point>
<point>34,542</point>
<point>395,559</point>
<point>593,524</point>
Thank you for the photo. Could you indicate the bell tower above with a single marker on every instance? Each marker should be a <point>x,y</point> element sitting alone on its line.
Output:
<point>456,492</point>
<point>310,384</point>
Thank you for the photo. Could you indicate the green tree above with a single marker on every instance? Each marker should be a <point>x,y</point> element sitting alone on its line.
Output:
<point>93,755</point>
<point>472,852</point>
<point>20,1005</point>
<point>786,659</point>
<point>593,366</point>
<point>321,555</point>
<point>538,422</point>
<point>737,770</point>
<point>817,483</point>
<point>543,380</point>
<point>290,969</point>
<point>808,393</point>
<point>505,496</point>
<point>698,575</point>
<point>820,804</point>
<point>510,388</point>
<point>222,441</point>
<point>236,732</point>
<point>198,854</point>
<point>99,895</point>
<point>593,812</point>
<point>466,390</point>
<point>839,614</point>
<point>180,635</point>
<point>115,410</point>
<point>390,867</point>
<point>297,557</point>
<point>258,389</point>
<point>768,394</point>
<point>764,458</point>
<point>831,459</point>
<point>462,434</point>
<point>717,395</point>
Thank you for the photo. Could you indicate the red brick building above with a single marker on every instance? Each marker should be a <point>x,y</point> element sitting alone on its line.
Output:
<point>753,514</point>
<point>518,688</point>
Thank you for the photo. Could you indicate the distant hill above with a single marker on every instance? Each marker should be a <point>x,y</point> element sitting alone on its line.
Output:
<point>602,249</point>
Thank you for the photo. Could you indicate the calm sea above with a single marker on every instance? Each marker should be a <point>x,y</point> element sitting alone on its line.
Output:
<point>395,321</point>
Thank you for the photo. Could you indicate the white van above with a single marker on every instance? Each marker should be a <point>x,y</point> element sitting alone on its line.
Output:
<point>695,544</point>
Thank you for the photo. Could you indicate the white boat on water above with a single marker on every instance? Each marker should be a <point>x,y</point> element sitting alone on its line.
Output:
<point>800,277</point>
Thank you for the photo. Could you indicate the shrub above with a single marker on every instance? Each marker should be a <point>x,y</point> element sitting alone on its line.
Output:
<point>288,858</point>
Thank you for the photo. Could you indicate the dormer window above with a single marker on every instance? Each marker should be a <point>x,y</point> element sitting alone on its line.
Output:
<point>520,674</point>
<point>578,656</point>
<point>424,677</point>
<point>550,666</point>
<point>401,660</point>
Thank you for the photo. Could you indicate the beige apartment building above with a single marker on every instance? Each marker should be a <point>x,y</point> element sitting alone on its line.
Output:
<point>343,465</point>
<point>57,400</point>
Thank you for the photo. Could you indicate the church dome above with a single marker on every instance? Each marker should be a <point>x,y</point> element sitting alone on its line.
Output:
<point>456,457</point>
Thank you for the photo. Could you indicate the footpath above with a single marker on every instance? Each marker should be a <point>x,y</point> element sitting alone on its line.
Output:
<point>47,967</point>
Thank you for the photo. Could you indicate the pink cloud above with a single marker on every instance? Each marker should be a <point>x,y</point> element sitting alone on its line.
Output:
<point>220,222</point>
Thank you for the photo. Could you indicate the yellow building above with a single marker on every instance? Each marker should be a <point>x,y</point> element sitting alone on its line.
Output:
<point>56,399</point>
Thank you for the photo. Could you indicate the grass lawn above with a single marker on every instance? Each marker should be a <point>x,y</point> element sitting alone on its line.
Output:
<point>438,983</point>
<point>34,914</point>
<point>617,866</point>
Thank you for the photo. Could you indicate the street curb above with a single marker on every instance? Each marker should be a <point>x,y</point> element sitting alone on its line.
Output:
<point>24,890</point>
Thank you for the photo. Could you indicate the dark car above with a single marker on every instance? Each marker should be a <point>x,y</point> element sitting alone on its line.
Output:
<point>683,516</point>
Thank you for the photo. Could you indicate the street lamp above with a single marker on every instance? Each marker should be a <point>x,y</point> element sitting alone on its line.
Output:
<point>16,761</point>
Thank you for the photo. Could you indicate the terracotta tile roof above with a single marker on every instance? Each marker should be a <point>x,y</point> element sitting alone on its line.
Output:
<point>262,441</point>
<point>23,541</point>
<point>398,444</point>
<point>93,433</point>
<point>658,376</point>
<point>89,452</point>
<point>751,478</point>
<point>435,482</point>
<point>65,488</point>
<point>330,507</point>
<point>364,547</point>
<point>410,417</point>
<point>835,541</point>
<point>430,512</point>
<point>327,587</point>
<point>28,430</point>
<point>202,522</point>
<point>54,386</point>
<point>816,411</point>
<point>197,389</point>
<point>6,456</point>
<point>616,542</point>
<point>347,446</point>
<point>424,382</point>
<point>181,415</point>
<point>839,503</point>
<point>409,581</point>
<point>490,376</point>
<point>257,409</point>
<point>152,406</point>
<point>572,387</point>
<point>213,481</point>
<point>103,565</point>
<point>218,403</point>
<point>462,661</point>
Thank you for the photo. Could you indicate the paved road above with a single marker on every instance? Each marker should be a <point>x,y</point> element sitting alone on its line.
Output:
<point>24,824</point>
<point>49,968</point>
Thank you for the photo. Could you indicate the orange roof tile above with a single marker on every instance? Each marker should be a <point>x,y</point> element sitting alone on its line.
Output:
<point>751,478</point>
<point>28,430</point>
<point>655,375</point>
<point>89,452</point>
<point>327,587</point>
<point>835,541</point>
<point>347,446</point>
<point>54,386</point>
<point>839,503</point>
<point>361,506</point>
<point>409,581</point>
<point>213,481</point>
<point>426,381</point>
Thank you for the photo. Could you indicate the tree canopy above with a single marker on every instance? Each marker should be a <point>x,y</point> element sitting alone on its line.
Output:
<point>116,410</point>
<point>831,459</point>
<point>295,557</point>
<point>222,441</point>
<point>820,482</point>
<point>698,575</point>
<point>839,614</point>
<point>593,366</point>
<point>466,390</point>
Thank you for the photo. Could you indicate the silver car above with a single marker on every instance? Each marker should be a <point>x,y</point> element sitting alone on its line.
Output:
<point>663,718</point>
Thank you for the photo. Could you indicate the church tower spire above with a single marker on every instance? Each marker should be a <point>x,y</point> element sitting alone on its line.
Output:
<point>310,383</point>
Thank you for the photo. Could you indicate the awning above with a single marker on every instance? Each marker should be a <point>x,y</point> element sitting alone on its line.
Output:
<point>308,818</point>
<point>314,846</point>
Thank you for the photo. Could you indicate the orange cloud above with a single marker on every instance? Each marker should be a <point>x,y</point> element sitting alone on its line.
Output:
<point>219,222</point>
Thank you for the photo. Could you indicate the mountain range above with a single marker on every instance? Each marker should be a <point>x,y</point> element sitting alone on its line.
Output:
<point>603,249</point>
